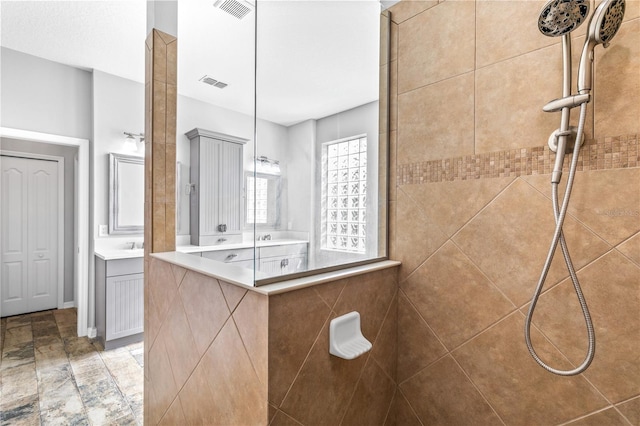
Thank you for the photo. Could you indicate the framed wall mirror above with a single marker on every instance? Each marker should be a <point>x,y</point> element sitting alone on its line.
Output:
<point>126,194</point>
<point>262,203</point>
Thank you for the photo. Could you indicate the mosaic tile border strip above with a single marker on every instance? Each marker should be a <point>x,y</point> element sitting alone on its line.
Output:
<point>600,154</point>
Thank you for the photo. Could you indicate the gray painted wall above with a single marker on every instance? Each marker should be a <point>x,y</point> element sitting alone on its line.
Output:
<point>300,166</point>
<point>118,107</point>
<point>69,154</point>
<point>44,96</point>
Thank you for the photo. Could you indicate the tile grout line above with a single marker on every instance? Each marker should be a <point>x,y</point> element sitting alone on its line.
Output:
<point>371,358</point>
<point>73,375</point>
<point>484,397</point>
<point>224,324</point>
<point>115,382</point>
<point>36,371</point>
<point>413,410</point>
<point>306,358</point>
<point>54,326</point>
<point>326,321</point>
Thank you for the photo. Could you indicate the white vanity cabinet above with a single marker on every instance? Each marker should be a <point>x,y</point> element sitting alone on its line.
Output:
<point>272,259</point>
<point>283,259</point>
<point>217,189</point>
<point>119,301</point>
<point>240,257</point>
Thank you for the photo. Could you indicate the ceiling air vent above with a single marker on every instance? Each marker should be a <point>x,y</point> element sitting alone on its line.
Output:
<point>213,82</point>
<point>237,8</point>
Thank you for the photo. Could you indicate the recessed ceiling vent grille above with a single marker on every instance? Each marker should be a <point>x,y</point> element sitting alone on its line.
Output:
<point>213,82</point>
<point>237,8</point>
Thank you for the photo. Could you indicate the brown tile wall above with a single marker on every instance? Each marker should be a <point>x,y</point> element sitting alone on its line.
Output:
<point>207,350</point>
<point>602,154</point>
<point>161,67</point>
<point>160,141</point>
<point>307,385</point>
<point>471,219</point>
<point>218,354</point>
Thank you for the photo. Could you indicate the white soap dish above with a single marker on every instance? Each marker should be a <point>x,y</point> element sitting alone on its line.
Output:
<point>345,338</point>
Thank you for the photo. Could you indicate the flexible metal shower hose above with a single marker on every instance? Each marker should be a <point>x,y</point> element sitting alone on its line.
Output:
<point>558,236</point>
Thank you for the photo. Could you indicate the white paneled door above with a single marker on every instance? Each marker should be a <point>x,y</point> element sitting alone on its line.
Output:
<point>29,202</point>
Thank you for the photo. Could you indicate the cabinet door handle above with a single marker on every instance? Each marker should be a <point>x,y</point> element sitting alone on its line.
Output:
<point>284,263</point>
<point>231,256</point>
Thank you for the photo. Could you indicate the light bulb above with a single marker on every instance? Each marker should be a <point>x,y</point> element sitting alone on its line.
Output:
<point>130,144</point>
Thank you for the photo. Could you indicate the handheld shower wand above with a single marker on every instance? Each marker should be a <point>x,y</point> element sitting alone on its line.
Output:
<point>604,24</point>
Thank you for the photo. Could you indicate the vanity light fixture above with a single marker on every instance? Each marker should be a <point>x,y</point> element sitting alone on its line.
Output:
<point>267,165</point>
<point>131,141</point>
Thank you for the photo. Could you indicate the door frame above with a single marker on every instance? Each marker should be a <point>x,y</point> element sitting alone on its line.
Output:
<point>81,270</point>
<point>60,248</point>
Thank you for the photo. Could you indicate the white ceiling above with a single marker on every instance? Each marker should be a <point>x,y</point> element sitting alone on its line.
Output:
<point>314,58</point>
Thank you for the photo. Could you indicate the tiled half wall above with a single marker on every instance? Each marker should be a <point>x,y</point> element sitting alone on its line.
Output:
<point>219,354</point>
<point>205,349</point>
<point>307,385</point>
<point>471,219</point>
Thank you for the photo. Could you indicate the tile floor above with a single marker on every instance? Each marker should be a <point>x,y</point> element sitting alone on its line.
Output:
<point>48,376</point>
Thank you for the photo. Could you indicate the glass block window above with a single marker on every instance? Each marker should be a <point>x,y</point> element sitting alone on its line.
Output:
<point>344,192</point>
<point>257,187</point>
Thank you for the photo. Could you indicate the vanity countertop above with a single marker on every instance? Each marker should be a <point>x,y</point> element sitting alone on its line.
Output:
<point>242,245</point>
<point>114,254</point>
<point>244,277</point>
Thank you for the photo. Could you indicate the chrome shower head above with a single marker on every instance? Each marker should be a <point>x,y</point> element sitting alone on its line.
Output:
<point>559,17</point>
<point>604,24</point>
<point>606,20</point>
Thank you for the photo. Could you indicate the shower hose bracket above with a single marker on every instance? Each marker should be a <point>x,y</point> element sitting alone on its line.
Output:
<point>571,133</point>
